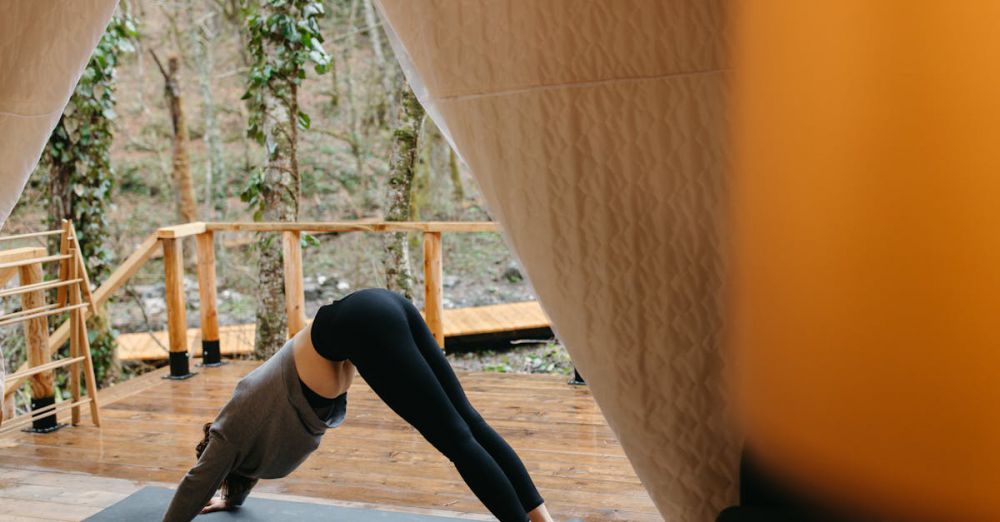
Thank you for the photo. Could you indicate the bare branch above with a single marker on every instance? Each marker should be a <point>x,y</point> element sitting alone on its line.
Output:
<point>163,71</point>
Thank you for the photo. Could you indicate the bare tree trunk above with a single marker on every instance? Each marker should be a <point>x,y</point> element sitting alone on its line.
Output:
<point>203,37</point>
<point>132,11</point>
<point>354,112</point>
<point>446,159</point>
<point>421,171</point>
<point>457,189</point>
<point>60,203</point>
<point>187,207</point>
<point>402,160</point>
<point>386,68</point>
<point>60,207</point>
<point>372,22</point>
<point>334,85</point>
<point>171,11</point>
<point>281,192</point>
<point>231,10</point>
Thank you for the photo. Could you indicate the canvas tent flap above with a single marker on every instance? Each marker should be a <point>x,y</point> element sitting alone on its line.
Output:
<point>596,132</point>
<point>44,47</point>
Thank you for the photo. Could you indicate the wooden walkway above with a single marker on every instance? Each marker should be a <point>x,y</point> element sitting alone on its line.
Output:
<point>239,339</point>
<point>151,426</point>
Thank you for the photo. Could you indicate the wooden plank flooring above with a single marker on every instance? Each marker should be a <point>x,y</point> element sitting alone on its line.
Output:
<point>152,425</point>
<point>474,320</point>
<point>234,339</point>
<point>238,339</point>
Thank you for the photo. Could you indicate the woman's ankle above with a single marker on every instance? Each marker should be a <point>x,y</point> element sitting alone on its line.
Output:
<point>540,514</point>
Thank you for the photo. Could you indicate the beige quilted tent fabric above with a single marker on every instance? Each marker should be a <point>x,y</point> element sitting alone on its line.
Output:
<point>44,46</point>
<point>596,131</point>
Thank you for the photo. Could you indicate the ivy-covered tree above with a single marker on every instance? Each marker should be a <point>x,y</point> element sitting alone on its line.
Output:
<point>402,164</point>
<point>284,40</point>
<point>77,164</point>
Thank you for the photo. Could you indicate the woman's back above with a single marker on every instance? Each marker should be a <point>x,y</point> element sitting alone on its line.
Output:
<point>265,431</point>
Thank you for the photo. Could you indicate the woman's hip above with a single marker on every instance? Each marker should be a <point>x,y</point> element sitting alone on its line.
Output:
<point>361,319</point>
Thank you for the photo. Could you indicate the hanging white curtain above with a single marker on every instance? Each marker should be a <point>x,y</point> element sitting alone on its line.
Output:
<point>44,46</point>
<point>596,132</point>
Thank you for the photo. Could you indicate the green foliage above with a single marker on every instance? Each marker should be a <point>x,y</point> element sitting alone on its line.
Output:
<point>550,358</point>
<point>284,39</point>
<point>254,194</point>
<point>308,240</point>
<point>498,367</point>
<point>78,152</point>
<point>80,145</point>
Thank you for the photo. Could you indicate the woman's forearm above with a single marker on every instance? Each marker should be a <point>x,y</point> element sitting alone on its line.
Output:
<point>200,483</point>
<point>191,496</point>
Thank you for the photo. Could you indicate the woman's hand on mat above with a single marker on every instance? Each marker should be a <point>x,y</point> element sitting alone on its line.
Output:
<point>216,504</point>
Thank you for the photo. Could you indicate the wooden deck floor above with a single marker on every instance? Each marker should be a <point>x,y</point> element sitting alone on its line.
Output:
<point>238,339</point>
<point>152,425</point>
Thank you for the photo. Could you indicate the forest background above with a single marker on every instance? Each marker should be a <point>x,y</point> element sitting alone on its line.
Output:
<point>179,117</point>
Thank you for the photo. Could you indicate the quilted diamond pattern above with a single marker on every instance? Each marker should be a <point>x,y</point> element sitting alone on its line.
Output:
<point>596,132</point>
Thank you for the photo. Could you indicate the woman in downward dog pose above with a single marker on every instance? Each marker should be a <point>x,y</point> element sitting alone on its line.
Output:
<point>280,410</point>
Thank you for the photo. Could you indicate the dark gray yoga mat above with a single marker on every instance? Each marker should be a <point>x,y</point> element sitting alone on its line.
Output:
<point>149,503</point>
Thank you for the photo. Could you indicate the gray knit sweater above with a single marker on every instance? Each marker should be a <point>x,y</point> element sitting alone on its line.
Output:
<point>264,432</point>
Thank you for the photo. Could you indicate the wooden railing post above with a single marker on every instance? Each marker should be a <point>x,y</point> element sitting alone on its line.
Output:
<point>79,340</point>
<point>36,335</point>
<point>7,407</point>
<point>433,302</point>
<point>173,268</point>
<point>295,299</point>
<point>211,351</point>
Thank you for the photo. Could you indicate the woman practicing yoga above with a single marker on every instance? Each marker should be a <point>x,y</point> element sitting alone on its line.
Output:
<point>280,410</point>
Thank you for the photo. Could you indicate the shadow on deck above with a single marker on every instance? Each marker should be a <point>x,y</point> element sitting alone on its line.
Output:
<point>151,426</point>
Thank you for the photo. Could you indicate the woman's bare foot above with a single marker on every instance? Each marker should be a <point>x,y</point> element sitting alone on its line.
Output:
<point>540,514</point>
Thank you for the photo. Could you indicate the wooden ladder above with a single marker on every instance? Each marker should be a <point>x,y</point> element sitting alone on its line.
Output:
<point>73,297</point>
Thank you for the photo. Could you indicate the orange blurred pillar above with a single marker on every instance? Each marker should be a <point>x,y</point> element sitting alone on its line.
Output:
<point>866,225</point>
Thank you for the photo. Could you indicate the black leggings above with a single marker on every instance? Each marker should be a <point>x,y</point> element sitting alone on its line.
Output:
<point>385,337</point>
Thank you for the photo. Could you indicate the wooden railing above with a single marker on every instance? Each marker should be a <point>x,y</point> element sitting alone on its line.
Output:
<point>116,280</point>
<point>173,264</point>
<point>170,240</point>
<point>73,297</point>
